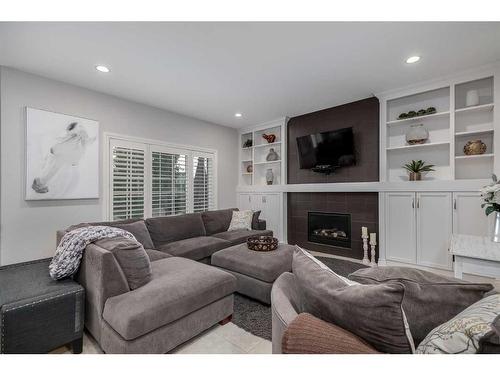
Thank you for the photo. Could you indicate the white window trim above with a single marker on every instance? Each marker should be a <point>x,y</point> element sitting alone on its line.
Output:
<point>149,145</point>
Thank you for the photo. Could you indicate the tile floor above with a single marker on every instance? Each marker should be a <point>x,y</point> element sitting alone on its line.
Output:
<point>226,339</point>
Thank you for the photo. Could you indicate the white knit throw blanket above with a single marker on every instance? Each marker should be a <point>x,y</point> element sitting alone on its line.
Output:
<point>66,260</point>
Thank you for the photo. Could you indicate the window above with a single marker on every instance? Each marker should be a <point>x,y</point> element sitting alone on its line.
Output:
<point>149,179</point>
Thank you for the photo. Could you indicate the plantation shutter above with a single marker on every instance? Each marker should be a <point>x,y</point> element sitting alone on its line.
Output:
<point>203,183</point>
<point>128,180</point>
<point>169,184</point>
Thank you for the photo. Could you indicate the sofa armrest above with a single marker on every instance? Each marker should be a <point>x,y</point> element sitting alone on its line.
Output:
<point>260,225</point>
<point>310,335</point>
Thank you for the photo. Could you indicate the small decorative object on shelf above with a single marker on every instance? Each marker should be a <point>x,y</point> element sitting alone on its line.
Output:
<point>262,243</point>
<point>417,134</point>
<point>270,138</point>
<point>472,98</point>
<point>420,112</point>
<point>247,143</point>
<point>373,244</point>
<point>272,155</point>
<point>249,168</point>
<point>364,236</point>
<point>476,147</point>
<point>490,194</point>
<point>269,176</point>
<point>416,168</point>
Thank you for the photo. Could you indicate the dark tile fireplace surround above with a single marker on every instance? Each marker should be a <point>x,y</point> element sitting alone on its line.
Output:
<point>356,209</point>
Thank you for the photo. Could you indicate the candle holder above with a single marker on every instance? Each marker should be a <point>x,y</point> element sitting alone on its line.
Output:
<point>366,260</point>
<point>372,262</point>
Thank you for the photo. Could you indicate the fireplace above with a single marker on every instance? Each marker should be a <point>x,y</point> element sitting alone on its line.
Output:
<point>328,228</point>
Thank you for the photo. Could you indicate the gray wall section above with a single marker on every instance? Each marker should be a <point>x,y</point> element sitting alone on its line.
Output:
<point>28,228</point>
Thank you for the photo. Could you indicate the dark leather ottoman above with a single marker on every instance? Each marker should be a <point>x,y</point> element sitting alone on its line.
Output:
<point>38,314</point>
<point>255,271</point>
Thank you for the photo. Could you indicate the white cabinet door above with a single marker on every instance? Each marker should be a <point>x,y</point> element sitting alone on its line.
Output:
<point>272,213</point>
<point>468,216</point>
<point>400,227</point>
<point>434,228</point>
<point>244,201</point>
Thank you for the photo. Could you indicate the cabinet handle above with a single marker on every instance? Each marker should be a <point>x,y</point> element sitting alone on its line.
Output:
<point>263,199</point>
<point>455,204</point>
<point>413,203</point>
<point>249,198</point>
<point>418,202</point>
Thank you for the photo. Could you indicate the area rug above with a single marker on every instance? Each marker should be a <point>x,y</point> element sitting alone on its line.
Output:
<point>255,317</point>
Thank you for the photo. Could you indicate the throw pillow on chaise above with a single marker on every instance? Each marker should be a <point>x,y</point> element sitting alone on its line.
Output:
<point>372,312</point>
<point>131,257</point>
<point>463,333</point>
<point>430,299</point>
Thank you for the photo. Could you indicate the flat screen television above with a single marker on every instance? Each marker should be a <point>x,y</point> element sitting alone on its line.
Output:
<point>325,152</point>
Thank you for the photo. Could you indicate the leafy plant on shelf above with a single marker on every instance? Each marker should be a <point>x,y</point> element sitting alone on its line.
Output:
<point>490,195</point>
<point>416,168</point>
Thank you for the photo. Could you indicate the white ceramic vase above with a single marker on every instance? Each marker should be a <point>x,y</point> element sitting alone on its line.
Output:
<point>471,98</point>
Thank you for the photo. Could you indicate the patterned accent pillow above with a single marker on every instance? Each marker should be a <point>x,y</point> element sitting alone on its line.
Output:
<point>241,220</point>
<point>462,334</point>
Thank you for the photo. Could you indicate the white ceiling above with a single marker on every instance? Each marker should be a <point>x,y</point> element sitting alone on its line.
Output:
<point>264,70</point>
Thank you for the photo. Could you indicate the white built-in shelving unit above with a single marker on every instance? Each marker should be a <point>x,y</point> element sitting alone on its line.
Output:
<point>450,128</point>
<point>255,155</point>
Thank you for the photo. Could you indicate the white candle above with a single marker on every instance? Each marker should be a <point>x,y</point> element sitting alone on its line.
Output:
<point>373,238</point>
<point>364,232</point>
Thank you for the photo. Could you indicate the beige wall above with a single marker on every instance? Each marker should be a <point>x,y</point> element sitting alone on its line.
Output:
<point>27,228</point>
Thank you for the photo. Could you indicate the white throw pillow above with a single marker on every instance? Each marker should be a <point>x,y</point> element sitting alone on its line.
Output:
<point>241,220</point>
<point>461,334</point>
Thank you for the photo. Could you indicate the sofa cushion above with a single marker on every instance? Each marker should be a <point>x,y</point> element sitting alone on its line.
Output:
<point>241,235</point>
<point>195,248</point>
<point>139,230</point>
<point>155,255</point>
<point>372,312</point>
<point>217,221</point>
<point>463,333</point>
<point>131,257</point>
<point>167,229</point>
<point>184,287</point>
<point>430,299</point>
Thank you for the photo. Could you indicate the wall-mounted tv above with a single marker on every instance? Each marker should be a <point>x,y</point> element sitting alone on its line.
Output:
<point>325,152</point>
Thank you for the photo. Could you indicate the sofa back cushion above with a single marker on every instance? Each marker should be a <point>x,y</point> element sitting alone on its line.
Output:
<point>372,312</point>
<point>132,258</point>
<point>430,299</point>
<point>167,229</point>
<point>217,221</point>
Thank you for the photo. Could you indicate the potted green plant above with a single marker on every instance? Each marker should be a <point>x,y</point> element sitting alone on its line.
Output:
<point>416,168</point>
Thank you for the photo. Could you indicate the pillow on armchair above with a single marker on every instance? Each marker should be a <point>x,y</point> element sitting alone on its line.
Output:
<point>430,299</point>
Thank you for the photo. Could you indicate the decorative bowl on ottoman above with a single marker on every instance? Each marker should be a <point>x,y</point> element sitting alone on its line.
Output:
<point>262,243</point>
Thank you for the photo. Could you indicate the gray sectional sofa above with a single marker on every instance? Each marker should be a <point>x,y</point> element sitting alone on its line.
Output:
<point>184,296</point>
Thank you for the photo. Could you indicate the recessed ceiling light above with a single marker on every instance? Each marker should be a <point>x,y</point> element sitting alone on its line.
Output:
<point>238,115</point>
<point>412,59</point>
<point>102,68</point>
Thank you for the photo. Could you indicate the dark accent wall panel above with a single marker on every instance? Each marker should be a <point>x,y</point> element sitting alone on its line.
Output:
<point>363,208</point>
<point>363,117</point>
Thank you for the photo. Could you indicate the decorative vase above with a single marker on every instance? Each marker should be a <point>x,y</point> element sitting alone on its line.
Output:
<point>417,134</point>
<point>270,138</point>
<point>472,98</point>
<point>415,176</point>
<point>269,176</point>
<point>272,155</point>
<point>476,147</point>
<point>496,228</point>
